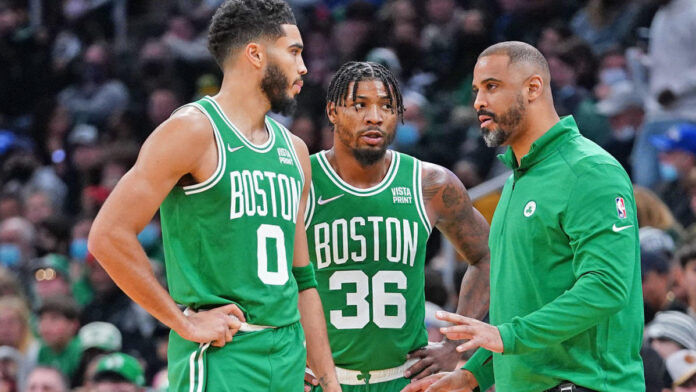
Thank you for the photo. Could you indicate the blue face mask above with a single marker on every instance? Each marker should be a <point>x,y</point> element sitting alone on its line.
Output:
<point>78,249</point>
<point>10,255</point>
<point>406,134</point>
<point>668,172</point>
<point>149,236</point>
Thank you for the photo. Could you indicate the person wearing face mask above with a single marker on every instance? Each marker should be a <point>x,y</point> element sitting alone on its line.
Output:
<point>672,88</point>
<point>624,109</point>
<point>677,150</point>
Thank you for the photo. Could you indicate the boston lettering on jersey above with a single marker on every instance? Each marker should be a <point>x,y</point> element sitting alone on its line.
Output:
<point>262,193</point>
<point>363,236</point>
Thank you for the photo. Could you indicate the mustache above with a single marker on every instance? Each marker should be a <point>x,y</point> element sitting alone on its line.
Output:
<point>483,112</point>
<point>372,129</point>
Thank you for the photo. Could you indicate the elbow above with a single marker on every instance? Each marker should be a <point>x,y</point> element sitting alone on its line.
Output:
<point>97,241</point>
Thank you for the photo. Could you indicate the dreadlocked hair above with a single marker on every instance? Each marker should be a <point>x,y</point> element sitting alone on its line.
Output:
<point>354,71</point>
<point>238,22</point>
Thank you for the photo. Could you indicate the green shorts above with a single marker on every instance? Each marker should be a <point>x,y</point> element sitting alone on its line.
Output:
<point>267,360</point>
<point>387,386</point>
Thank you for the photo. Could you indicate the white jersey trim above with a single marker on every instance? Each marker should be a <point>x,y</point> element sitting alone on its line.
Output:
<point>262,148</point>
<point>309,209</point>
<point>418,191</point>
<point>222,159</point>
<point>346,187</point>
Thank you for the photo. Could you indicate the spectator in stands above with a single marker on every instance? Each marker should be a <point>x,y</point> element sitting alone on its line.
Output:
<point>46,379</point>
<point>686,258</point>
<point>111,305</point>
<point>97,339</point>
<point>51,277</point>
<point>677,149</point>
<point>605,24</point>
<point>15,331</point>
<point>39,206</point>
<point>118,373</point>
<point>98,95</point>
<point>58,324</point>
<point>655,219</point>
<point>670,332</point>
<point>657,281</point>
<point>672,91</point>
<point>17,239</point>
<point>624,109</point>
<point>682,368</point>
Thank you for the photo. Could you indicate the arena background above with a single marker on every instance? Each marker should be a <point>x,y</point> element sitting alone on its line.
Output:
<point>83,83</point>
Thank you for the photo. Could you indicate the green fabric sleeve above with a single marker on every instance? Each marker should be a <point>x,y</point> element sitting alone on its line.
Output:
<point>605,253</point>
<point>305,277</point>
<point>481,365</point>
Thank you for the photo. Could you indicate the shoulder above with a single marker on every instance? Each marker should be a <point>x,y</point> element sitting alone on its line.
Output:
<point>435,175</point>
<point>187,133</point>
<point>187,122</point>
<point>584,157</point>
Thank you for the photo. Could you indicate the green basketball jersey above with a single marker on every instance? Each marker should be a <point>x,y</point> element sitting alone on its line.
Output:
<point>230,239</point>
<point>368,250</point>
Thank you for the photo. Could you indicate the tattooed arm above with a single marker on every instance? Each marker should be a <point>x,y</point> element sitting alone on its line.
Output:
<point>450,210</point>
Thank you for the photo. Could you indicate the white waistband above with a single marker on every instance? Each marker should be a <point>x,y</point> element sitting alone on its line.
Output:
<point>245,327</point>
<point>355,377</point>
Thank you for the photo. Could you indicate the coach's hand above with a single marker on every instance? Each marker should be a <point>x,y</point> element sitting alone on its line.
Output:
<point>434,358</point>
<point>310,381</point>
<point>216,325</point>
<point>459,380</point>
<point>477,332</point>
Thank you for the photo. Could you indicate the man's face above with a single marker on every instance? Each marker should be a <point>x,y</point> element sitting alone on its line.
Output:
<point>498,100</point>
<point>655,288</point>
<point>12,328</point>
<point>55,329</point>
<point>45,380</point>
<point>282,79</point>
<point>366,123</point>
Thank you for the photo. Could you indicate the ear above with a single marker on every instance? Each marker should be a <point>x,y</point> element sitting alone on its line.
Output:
<point>535,87</point>
<point>255,54</point>
<point>331,112</point>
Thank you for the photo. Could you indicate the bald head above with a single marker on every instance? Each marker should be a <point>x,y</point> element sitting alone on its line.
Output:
<point>521,54</point>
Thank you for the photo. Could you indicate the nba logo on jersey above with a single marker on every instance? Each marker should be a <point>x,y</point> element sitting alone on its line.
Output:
<point>621,207</point>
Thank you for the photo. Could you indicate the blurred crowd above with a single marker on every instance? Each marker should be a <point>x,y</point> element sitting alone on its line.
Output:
<point>83,83</point>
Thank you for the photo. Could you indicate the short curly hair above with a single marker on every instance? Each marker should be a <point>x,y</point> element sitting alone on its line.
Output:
<point>238,22</point>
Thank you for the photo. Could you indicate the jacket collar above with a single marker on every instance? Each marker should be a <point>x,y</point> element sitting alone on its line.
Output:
<point>561,132</point>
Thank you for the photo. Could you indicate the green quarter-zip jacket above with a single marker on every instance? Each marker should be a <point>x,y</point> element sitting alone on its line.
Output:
<point>565,271</point>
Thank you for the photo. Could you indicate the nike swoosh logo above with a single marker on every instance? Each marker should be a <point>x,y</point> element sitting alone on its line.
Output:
<point>230,149</point>
<point>321,201</point>
<point>618,229</point>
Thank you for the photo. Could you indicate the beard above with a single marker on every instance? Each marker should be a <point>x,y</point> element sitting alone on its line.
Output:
<point>506,124</point>
<point>275,85</point>
<point>366,156</point>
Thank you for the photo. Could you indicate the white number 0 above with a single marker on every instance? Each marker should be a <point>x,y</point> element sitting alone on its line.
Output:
<point>263,233</point>
<point>380,299</point>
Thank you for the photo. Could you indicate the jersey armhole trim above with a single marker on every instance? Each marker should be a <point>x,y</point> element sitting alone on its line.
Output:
<point>418,191</point>
<point>222,158</point>
<point>309,209</point>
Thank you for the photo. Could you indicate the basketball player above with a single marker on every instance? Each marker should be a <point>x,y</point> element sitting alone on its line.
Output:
<point>368,219</point>
<point>231,185</point>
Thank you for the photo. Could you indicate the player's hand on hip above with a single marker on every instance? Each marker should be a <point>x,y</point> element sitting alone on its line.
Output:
<point>433,358</point>
<point>457,381</point>
<point>217,325</point>
<point>477,332</point>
